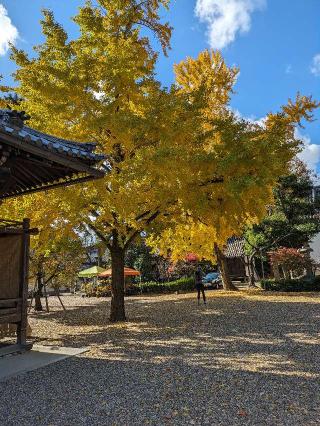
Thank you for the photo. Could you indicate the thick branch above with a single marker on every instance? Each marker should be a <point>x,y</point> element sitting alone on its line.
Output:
<point>54,274</point>
<point>142,215</point>
<point>148,221</point>
<point>131,238</point>
<point>212,181</point>
<point>99,234</point>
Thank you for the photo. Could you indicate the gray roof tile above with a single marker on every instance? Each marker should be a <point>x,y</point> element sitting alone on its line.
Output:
<point>12,123</point>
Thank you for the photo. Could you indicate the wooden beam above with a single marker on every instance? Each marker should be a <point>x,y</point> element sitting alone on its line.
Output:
<point>10,318</point>
<point>7,311</point>
<point>51,186</point>
<point>32,231</point>
<point>5,173</point>
<point>28,173</point>
<point>43,168</point>
<point>8,184</point>
<point>23,290</point>
<point>9,302</point>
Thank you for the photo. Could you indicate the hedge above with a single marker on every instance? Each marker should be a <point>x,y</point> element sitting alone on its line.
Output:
<point>303,284</point>
<point>183,284</point>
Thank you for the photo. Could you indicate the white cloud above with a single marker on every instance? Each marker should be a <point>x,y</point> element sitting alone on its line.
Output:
<point>310,153</point>
<point>251,119</point>
<point>8,32</point>
<point>225,18</point>
<point>315,67</point>
<point>289,69</point>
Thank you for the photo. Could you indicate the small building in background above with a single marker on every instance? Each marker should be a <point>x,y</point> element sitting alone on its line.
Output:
<point>236,258</point>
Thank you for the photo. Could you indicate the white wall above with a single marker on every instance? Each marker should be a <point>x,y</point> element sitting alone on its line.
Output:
<point>315,245</point>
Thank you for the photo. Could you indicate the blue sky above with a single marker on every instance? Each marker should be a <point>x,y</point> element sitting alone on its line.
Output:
<point>276,44</point>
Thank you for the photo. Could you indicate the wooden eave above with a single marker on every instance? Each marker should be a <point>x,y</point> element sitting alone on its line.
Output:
<point>32,167</point>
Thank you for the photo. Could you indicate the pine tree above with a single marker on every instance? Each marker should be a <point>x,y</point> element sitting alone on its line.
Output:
<point>292,219</point>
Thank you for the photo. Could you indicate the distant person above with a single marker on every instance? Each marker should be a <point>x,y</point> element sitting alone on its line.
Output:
<point>199,284</point>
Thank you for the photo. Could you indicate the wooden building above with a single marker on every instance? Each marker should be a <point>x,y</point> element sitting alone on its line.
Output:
<point>31,161</point>
<point>236,258</point>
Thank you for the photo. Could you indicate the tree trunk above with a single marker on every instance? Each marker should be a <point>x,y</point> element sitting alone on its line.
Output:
<point>223,267</point>
<point>276,271</point>
<point>285,272</point>
<point>252,282</point>
<point>252,279</point>
<point>38,293</point>
<point>117,313</point>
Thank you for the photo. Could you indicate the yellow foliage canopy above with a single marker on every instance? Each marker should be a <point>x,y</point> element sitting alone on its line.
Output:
<point>177,158</point>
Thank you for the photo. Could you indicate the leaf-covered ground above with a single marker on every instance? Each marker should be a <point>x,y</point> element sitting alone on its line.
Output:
<point>244,359</point>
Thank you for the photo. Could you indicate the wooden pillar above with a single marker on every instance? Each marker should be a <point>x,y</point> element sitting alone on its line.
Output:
<point>23,289</point>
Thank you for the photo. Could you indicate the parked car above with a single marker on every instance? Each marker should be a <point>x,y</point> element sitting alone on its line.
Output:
<point>212,280</point>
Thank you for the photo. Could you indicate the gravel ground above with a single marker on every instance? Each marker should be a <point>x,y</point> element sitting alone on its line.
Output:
<point>244,359</point>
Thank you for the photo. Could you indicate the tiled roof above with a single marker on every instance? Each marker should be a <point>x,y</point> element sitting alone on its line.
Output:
<point>235,247</point>
<point>11,123</point>
<point>32,161</point>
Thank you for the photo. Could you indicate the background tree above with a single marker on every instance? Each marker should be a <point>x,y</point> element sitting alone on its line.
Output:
<point>173,154</point>
<point>291,260</point>
<point>199,238</point>
<point>55,264</point>
<point>57,251</point>
<point>152,266</point>
<point>292,219</point>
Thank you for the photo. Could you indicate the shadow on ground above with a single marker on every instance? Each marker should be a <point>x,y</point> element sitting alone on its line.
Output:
<point>239,360</point>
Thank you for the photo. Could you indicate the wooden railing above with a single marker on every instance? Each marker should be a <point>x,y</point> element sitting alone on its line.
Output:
<point>10,313</point>
<point>8,330</point>
<point>10,310</point>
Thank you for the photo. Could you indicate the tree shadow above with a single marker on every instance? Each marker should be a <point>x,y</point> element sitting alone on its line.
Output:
<point>85,391</point>
<point>232,332</point>
<point>238,360</point>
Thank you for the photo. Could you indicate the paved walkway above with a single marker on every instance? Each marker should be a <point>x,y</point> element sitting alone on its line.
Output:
<point>38,357</point>
<point>242,360</point>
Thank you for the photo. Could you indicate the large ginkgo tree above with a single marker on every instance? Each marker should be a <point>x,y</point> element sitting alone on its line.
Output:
<point>173,155</point>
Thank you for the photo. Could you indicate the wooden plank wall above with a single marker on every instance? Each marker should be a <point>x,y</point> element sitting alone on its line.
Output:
<point>10,330</point>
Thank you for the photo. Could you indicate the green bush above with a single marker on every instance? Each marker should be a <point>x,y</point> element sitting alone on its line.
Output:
<point>303,284</point>
<point>89,290</point>
<point>103,290</point>
<point>183,284</point>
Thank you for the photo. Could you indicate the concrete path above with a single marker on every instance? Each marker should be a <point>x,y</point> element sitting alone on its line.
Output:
<point>39,356</point>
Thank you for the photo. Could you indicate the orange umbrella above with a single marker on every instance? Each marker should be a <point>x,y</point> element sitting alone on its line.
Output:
<point>128,272</point>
